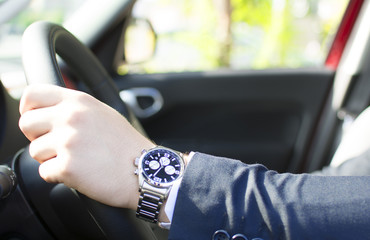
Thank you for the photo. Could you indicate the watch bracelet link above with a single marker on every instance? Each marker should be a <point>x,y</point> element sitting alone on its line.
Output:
<point>149,206</point>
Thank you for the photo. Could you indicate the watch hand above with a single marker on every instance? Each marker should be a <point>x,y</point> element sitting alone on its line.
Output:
<point>157,171</point>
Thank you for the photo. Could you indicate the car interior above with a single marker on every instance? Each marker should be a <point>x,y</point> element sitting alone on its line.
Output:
<point>290,120</point>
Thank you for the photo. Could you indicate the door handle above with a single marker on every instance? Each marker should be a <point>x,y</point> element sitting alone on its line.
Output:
<point>152,97</point>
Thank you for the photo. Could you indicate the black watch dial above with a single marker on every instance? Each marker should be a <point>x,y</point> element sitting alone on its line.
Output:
<point>161,166</point>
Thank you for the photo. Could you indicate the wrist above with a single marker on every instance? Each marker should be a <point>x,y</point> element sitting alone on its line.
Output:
<point>130,194</point>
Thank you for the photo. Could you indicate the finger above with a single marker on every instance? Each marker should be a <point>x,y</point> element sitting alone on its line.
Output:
<point>43,148</point>
<point>37,122</point>
<point>51,170</point>
<point>39,96</point>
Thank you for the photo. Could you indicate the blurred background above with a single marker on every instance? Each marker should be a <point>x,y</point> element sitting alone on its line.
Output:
<point>195,35</point>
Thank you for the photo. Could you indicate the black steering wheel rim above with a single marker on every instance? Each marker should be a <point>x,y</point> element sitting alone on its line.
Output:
<point>41,42</point>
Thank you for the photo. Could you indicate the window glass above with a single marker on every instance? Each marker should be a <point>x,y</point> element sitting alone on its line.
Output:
<point>11,31</point>
<point>196,35</point>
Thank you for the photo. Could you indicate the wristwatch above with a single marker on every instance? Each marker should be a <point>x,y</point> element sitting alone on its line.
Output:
<point>158,169</point>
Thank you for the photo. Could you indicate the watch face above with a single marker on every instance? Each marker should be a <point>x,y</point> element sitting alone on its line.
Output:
<point>161,166</point>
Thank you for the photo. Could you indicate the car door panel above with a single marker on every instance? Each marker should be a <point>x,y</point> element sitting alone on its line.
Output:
<point>266,116</point>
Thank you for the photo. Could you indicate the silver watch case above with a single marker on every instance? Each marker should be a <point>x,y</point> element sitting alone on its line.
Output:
<point>150,185</point>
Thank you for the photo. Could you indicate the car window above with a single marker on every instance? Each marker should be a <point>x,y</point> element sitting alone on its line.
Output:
<point>11,31</point>
<point>195,35</point>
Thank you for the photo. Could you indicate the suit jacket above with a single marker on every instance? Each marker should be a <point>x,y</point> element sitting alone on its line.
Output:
<point>219,193</point>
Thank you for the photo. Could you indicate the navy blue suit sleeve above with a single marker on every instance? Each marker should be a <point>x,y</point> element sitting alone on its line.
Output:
<point>218,193</point>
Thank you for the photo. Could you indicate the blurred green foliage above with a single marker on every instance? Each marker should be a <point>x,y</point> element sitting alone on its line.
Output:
<point>282,45</point>
<point>253,12</point>
<point>250,34</point>
<point>24,19</point>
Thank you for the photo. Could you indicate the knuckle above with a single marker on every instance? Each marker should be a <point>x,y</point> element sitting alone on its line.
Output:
<point>44,175</point>
<point>71,141</point>
<point>28,93</point>
<point>78,112</point>
<point>66,172</point>
<point>32,151</point>
<point>24,123</point>
<point>75,117</point>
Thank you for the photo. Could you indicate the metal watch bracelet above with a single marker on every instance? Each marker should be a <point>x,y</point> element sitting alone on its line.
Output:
<point>149,206</point>
<point>153,192</point>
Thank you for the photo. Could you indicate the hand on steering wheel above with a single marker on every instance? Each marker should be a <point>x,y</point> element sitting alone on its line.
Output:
<point>79,140</point>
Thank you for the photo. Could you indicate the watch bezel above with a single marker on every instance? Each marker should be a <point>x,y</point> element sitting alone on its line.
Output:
<point>151,181</point>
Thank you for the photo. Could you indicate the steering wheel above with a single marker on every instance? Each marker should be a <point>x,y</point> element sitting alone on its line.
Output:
<point>67,213</point>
